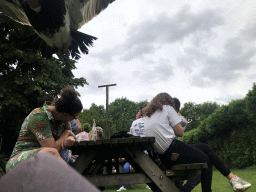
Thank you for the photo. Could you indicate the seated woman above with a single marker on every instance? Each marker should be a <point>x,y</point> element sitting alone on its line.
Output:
<point>46,129</point>
<point>162,122</point>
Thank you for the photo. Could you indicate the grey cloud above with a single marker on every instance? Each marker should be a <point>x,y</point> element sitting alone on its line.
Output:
<point>229,65</point>
<point>159,73</point>
<point>202,82</point>
<point>137,52</point>
<point>166,29</point>
<point>96,78</point>
<point>107,55</point>
<point>190,59</point>
<point>228,98</point>
<point>249,32</point>
<point>145,38</point>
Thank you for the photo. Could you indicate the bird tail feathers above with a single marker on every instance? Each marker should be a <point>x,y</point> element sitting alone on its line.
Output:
<point>81,41</point>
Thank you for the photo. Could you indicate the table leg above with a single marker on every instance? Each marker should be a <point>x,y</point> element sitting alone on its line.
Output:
<point>83,161</point>
<point>152,170</point>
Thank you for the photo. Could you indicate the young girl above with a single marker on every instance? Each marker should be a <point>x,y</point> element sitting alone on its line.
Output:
<point>162,122</point>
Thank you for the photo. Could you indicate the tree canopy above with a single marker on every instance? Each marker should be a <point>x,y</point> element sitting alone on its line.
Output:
<point>195,113</point>
<point>24,75</point>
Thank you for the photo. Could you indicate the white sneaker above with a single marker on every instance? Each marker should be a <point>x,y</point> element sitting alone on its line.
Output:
<point>147,187</point>
<point>121,189</point>
<point>236,185</point>
<point>246,184</point>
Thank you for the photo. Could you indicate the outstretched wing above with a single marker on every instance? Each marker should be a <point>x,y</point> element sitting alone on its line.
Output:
<point>13,9</point>
<point>82,11</point>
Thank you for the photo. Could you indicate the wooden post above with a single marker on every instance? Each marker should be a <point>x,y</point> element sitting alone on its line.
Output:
<point>107,129</point>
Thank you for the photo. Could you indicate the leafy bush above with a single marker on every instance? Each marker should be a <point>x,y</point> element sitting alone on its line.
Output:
<point>230,131</point>
<point>251,104</point>
<point>3,160</point>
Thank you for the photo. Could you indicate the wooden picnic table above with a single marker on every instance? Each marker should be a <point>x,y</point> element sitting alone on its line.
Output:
<point>94,155</point>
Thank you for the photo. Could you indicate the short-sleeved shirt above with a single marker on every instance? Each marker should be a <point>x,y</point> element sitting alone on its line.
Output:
<point>160,125</point>
<point>138,128</point>
<point>37,126</point>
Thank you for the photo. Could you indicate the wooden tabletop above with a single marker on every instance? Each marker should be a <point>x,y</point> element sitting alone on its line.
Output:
<point>140,142</point>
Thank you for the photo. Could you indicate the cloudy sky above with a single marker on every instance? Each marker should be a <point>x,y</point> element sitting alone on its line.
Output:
<point>197,51</point>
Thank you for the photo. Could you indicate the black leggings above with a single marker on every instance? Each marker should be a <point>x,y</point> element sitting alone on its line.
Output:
<point>195,153</point>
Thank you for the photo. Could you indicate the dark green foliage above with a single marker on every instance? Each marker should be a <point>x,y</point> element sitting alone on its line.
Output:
<point>122,112</point>
<point>237,150</point>
<point>3,160</point>
<point>251,104</point>
<point>228,118</point>
<point>98,114</point>
<point>195,113</point>
<point>24,75</point>
<point>230,131</point>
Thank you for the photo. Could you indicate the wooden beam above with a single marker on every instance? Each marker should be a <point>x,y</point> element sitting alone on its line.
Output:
<point>152,170</point>
<point>83,161</point>
<point>118,179</point>
<point>107,129</point>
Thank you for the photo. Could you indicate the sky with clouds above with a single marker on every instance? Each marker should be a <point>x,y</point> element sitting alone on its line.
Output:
<point>196,51</point>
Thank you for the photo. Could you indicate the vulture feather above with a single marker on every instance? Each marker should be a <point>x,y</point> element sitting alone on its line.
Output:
<point>57,22</point>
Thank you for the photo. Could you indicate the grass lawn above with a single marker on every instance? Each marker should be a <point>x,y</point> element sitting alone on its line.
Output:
<point>219,182</point>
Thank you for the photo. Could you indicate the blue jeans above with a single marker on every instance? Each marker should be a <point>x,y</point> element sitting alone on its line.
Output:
<point>126,169</point>
<point>64,153</point>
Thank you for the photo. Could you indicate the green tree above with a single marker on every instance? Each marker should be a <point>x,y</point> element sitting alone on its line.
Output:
<point>24,75</point>
<point>250,100</point>
<point>195,113</point>
<point>97,113</point>
<point>123,112</point>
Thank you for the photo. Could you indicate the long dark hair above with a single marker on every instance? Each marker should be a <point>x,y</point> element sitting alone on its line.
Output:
<point>177,104</point>
<point>141,110</point>
<point>157,103</point>
<point>68,102</point>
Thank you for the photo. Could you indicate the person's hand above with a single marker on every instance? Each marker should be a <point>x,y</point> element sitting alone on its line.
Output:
<point>69,141</point>
<point>89,135</point>
<point>69,133</point>
<point>180,115</point>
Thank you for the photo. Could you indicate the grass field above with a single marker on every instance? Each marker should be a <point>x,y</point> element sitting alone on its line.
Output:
<point>219,182</point>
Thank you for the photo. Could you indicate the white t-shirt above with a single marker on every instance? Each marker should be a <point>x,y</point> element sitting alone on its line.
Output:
<point>137,128</point>
<point>160,125</point>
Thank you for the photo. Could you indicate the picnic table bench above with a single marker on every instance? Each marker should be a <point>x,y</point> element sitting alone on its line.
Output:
<point>94,155</point>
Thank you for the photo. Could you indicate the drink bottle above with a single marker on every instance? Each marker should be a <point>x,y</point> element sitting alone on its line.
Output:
<point>94,132</point>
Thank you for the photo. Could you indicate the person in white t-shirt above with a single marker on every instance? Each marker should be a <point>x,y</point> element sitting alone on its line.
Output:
<point>137,127</point>
<point>163,123</point>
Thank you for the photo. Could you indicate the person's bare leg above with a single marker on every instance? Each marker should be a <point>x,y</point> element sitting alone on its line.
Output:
<point>51,151</point>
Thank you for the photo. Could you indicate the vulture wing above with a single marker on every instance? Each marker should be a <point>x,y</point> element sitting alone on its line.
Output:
<point>13,9</point>
<point>82,11</point>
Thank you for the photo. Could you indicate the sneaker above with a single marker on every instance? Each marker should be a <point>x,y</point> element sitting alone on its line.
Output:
<point>121,189</point>
<point>244,183</point>
<point>236,185</point>
<point>147,187</point>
